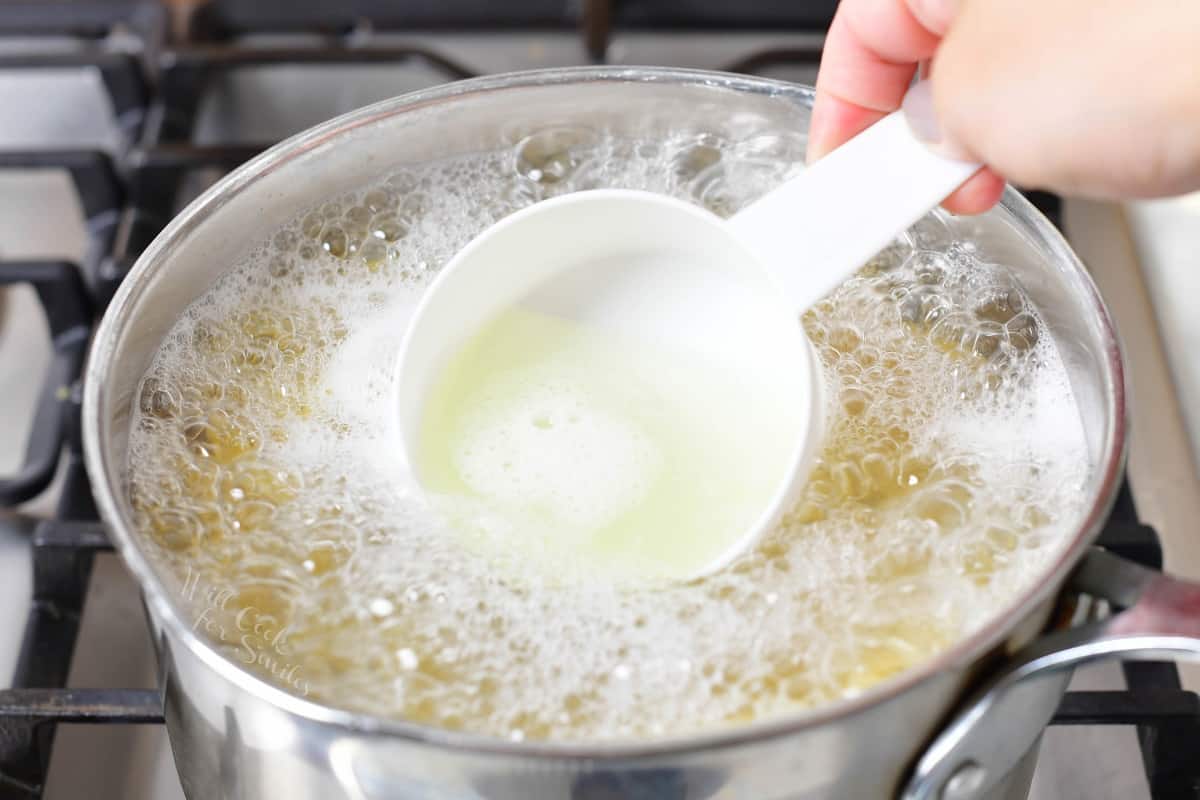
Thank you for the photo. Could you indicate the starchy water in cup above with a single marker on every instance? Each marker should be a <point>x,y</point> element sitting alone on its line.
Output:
<point>594,450</point>
<point>267,480</point>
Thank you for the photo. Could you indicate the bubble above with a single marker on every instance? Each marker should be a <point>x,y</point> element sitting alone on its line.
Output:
<point>987,338</point>
<point>279,267</point>
<point>1022,331</point>
<point>401,182</point>
<point>844,338</point>
<point>312,225</point>
<point>552,155</point>
<point>379,200</point>
<point>388,229</point>
<point>374,253</point>
<point>999,305</point>
<point>157,399</point>
<point>923,305</point>
<point>521,193</point>
<point>285,241</point>
<point>335,242</point>
<point>358,216</point>
<point>252,515</point>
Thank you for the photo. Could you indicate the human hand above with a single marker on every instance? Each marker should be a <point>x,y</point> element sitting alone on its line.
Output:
<point>1094,97</point>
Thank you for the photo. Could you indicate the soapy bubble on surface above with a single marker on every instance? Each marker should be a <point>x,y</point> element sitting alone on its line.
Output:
<point>264,458</point>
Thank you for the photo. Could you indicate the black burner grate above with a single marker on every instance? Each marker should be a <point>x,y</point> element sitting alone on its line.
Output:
<point>88,19</point>
<point>1167,717</point>
<point>128,196</point>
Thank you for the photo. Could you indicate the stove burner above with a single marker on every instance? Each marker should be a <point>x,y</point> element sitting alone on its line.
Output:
<point>68,311</point>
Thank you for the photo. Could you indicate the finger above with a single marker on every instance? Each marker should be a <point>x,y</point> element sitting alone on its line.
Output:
<point>870,55</point>
<point>835,120</point>
<point>981,191</point>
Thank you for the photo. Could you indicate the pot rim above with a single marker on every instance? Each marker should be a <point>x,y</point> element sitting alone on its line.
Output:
<point>966,651</point>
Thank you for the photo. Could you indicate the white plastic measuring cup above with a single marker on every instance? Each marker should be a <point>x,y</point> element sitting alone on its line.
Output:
<point>649,268</point>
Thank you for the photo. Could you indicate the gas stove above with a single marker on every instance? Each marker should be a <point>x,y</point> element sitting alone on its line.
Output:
<point>115,114</point>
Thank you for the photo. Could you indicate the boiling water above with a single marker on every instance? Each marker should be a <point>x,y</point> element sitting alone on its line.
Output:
<point>267,478</point>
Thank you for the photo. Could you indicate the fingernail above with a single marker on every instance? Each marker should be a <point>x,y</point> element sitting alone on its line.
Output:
<point>935,15</point>
<point>918,110</point>
<point>815,148</point>
<point>923,122</point>
<point>813,151</point>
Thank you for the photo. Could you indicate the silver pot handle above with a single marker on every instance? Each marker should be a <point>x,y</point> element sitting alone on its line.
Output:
<point>984,740</point>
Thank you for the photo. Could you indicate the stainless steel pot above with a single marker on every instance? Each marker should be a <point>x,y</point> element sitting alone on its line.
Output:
<point>235,736</point>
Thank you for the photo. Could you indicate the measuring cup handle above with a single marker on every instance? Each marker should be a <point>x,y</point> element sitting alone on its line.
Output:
<point>818,228</point>
<point>994,728</point>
